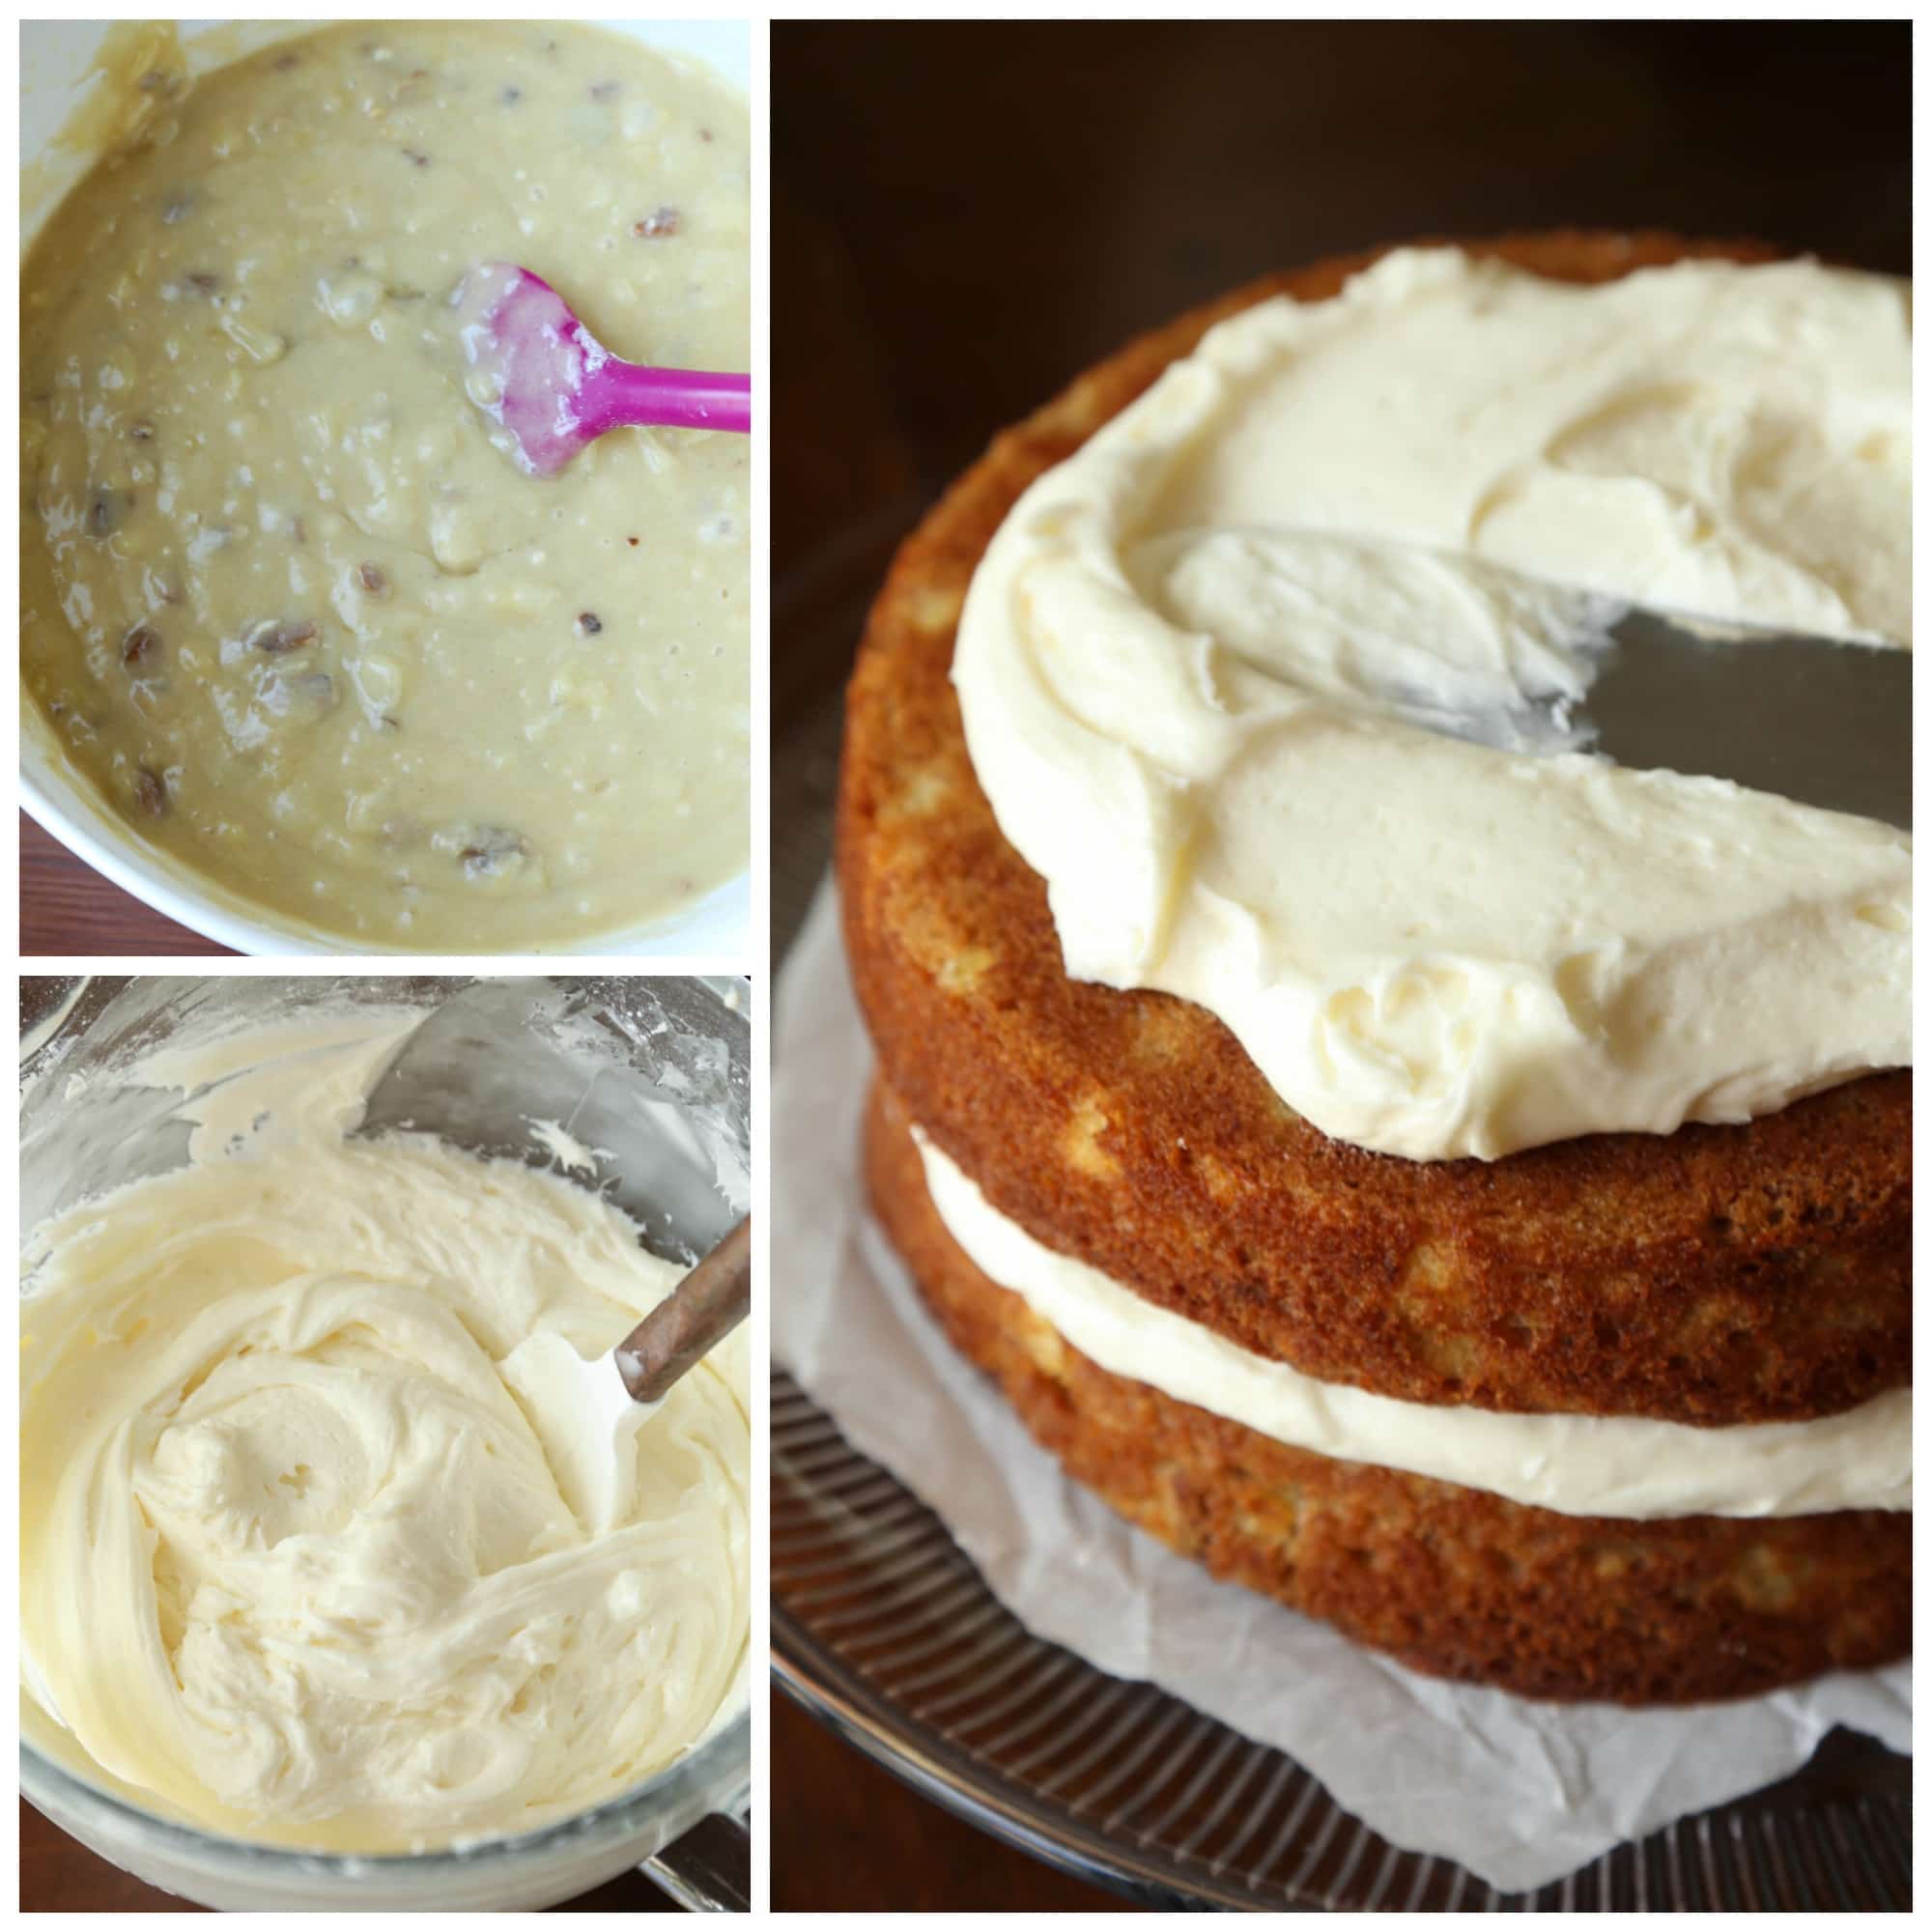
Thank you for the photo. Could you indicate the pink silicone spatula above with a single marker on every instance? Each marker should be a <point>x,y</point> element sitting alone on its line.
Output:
<point>554,387</point>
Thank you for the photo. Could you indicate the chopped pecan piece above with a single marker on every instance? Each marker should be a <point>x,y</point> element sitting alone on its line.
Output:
<point>151,793</point>
<point>277,639</point>
<point>492,850</point>
<point>139,642</point>
<point>658,227</point>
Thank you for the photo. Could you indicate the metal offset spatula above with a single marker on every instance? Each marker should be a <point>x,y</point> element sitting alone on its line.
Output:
<point>1823,723</point>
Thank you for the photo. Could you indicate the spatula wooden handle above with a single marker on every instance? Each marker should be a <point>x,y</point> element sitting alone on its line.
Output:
<point>704,1307</point>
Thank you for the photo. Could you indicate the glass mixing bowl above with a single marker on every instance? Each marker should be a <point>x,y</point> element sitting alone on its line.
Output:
<point>659,1072</point>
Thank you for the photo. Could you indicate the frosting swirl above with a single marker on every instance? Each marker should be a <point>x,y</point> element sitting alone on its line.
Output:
<point>307,1553</point>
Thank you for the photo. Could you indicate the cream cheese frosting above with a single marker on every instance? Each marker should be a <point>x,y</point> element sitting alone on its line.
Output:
<point>1199,664</point>
<point>320,1542</point>
<point>1577,1464</point>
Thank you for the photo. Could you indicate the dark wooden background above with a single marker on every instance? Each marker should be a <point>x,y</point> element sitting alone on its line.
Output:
<point>965,215</point>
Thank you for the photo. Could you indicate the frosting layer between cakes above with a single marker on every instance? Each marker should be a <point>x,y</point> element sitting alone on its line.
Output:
<point>1622,1466</point>
<point>1445,1578</point>
<point>1192,663</point>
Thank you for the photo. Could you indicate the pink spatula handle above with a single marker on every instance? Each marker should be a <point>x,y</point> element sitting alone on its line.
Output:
<point>554,387</point>
<point>622,393</point>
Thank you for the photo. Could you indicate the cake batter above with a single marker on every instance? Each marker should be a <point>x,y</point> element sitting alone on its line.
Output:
<point>287,605</point>
<point>315,1549</point>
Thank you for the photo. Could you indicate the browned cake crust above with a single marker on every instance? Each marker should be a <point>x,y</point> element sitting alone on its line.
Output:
<point>1715,1275</point>
<point>1448,1579</point>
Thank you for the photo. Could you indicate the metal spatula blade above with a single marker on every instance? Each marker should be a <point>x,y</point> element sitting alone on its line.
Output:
<point>1823,723</point>
<point>478,1069</point>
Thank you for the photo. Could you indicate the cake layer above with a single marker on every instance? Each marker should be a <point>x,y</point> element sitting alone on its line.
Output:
<point>1578,1465</point>
<point>1718,1275</point>
<point>1445,1578</point>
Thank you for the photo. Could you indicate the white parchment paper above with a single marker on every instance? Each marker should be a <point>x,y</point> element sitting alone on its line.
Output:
<point>1520,1793</point>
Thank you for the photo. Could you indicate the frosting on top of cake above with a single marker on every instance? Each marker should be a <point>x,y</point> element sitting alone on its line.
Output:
<point>1200,665</point>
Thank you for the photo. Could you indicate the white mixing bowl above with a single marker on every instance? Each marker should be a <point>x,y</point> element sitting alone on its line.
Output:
<point>55,56</point>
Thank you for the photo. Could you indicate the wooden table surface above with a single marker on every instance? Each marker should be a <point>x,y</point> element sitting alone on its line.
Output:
<point>965,215</point>
<point>59,1875</point>
<point>67,909</point>
<point>833,1810</point>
